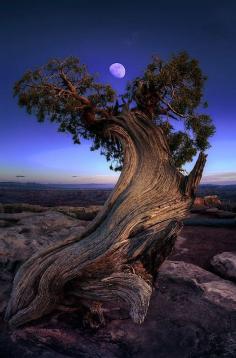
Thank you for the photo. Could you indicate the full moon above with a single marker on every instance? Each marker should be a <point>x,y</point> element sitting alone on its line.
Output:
<point>117,70</point>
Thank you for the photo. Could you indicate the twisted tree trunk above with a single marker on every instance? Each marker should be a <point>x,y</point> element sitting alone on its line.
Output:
<point>117,256</point>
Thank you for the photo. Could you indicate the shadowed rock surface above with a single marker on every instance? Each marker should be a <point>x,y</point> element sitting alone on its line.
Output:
<point>192,311</point>
<point>225,265</point>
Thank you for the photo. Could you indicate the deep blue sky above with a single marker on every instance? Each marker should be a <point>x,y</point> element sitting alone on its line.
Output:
<point>100,33</point>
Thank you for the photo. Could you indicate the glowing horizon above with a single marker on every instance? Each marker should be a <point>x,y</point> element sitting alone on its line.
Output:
<point>227,178</point>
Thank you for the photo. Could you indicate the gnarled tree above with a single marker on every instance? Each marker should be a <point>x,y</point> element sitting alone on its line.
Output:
<point>116,258</point>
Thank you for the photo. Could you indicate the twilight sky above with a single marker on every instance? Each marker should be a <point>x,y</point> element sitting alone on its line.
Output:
<point>100,33</point>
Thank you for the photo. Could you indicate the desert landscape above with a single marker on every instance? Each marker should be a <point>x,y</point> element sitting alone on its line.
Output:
<point>193,308</point>
<point>117,179</point>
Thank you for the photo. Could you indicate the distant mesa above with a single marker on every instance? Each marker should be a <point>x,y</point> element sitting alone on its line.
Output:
<point>20,176</point>
<point>47,186</point>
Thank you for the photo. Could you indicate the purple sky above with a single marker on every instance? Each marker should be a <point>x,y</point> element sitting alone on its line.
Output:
<point>100,34</point>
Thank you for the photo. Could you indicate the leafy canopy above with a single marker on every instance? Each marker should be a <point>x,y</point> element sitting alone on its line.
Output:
<point>64,92</point>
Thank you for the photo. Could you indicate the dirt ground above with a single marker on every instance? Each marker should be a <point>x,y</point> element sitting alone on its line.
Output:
<point>198,244</point>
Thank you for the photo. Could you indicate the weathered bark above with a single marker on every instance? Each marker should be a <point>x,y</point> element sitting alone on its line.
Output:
<point>117,256</point>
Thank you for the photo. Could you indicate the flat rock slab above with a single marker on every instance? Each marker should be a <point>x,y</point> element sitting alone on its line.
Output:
<point>225,264</point>
<point>192,314</point>
<point>192,311</point>
<point>28,232</point>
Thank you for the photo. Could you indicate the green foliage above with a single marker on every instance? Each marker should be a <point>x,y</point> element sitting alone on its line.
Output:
<point>64,92</point>
<point>173,91</point>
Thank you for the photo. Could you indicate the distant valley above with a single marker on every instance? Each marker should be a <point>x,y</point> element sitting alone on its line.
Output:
<point>85,194</point>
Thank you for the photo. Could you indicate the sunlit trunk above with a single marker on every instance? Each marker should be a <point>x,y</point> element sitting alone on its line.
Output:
<point>117,256</point>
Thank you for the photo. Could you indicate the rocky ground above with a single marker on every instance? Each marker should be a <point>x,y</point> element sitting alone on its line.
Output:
<point>192,312</point>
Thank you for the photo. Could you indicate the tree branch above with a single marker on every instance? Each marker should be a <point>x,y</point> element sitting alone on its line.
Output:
<point>171,108</point>
<point>73,90</point>
<point>193,179</point>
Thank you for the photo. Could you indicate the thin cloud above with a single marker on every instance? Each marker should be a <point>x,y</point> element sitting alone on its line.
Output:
<point>220,178</point>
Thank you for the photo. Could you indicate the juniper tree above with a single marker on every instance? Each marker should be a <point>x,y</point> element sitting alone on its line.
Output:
<point>116,258</point>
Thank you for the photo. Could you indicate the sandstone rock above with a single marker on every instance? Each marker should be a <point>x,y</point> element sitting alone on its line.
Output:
<point>212,201</point>
<point>18,208</point>
<point>225,264</point>
<point>28,232</point>
<point>14,217</point>
<point>3,223</point>
<point>199,201</point>
<point>209,286</point>
<point>221,214</point>
<point>198,205</point>
<point>80,213</point>
<point>180,271</point>
<point>212,211</point>
<point>192,314</point>
<point>225,214</point>
<point>5,289</point>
